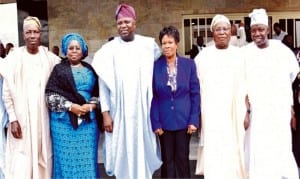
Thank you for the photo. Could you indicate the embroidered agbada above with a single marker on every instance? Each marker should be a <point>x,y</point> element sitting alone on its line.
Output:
<point>125,78</point>
<point>223,109</point>
<point>24,98</point>
<point>269,74</point>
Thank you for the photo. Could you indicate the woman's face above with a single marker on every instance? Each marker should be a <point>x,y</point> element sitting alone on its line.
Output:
<point>222,34</point>
<point>169,46</point>
<point>74,52</point>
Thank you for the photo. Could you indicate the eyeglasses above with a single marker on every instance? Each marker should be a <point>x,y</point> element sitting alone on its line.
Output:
<point>220,29</point>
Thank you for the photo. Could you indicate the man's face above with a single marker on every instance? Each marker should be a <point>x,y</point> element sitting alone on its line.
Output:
<point>259,35</point>
<point>32,36</point>
<point>222,34</point>
<point>200,41</point>
<point>55,50</point>
<point>126,28</point>
<point>277,30</point>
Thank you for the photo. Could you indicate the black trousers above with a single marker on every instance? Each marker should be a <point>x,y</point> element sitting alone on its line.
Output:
<point>175,154</point>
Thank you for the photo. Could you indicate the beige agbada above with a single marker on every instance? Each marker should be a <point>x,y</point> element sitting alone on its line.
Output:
<point>220,153</point>
<point>24,98</point>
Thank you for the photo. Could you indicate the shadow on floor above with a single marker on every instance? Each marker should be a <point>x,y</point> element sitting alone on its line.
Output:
<point>156,175</point>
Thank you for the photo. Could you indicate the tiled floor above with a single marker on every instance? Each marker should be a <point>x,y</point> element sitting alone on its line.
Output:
<point>193,158</point>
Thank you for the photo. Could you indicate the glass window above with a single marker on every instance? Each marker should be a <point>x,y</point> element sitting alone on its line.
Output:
<point>195,25</point>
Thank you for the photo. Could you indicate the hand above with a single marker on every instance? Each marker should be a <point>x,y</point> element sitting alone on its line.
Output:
<point>247,116</point>
<point>293,123</point>
<point>159,131</point>
<point>16,129</point>
<point>89,107</point>
<point>293,119</point>
<point>107,122</point>
<point>247,121</point>
<point>79,110</point>
<point>191,129</point>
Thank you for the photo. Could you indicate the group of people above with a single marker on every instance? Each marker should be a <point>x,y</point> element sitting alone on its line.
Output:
<point>147,101</point>
<point>247,105</point>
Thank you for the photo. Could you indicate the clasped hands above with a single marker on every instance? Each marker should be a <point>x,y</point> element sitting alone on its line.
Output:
<point>81,110</point>
<point>191,129</point>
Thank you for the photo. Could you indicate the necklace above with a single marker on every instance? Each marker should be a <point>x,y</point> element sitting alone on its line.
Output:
<point>172,82</point>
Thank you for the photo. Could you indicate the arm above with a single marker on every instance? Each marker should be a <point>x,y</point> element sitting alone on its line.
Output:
<point>293,119</point>
<point>8,101</point>
<point>104,96</point>
<point>195,97</point>
<point>92,104</point>
<point>157,51</point>
<point>248,112</point>
<point>294,70</point>
<point>154,110</point>
<point>105,106</point>
<point>9,104</point>
<point>58,103</point>
<point>154,116</point>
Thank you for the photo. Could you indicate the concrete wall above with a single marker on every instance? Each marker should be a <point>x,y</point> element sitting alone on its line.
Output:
<point>94,19</point>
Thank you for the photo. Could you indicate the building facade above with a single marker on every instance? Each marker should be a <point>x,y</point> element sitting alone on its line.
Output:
<point>95,19</point>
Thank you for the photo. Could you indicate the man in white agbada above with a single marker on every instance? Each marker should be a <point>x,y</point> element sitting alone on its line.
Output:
<point>223,109</point>
<point>238,35</point>
<point>28,150</point>
<point>125,67</point>
<point>270,70</point>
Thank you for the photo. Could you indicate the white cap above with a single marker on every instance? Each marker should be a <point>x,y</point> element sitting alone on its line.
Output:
<point>218,18</point>
<point>259,16</point>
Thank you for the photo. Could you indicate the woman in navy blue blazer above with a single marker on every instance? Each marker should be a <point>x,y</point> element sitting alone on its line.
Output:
<point>175,105</point>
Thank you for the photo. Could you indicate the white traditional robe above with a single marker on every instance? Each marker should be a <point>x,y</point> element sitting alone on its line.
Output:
<point>269,74</point>
<point>280,36</point>
<point>222,113</point>
<point>24,98</point>
<point>125,83</point>
<point>239,40</point>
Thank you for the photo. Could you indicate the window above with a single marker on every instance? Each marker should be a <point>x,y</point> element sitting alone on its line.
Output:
<point>196,25</point>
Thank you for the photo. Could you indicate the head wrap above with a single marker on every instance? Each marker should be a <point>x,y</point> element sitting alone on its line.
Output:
<point>124,10</point>
<point>218,18</point>
<point>259,16</point>
<point>30,20</point>
<point>73,36</point>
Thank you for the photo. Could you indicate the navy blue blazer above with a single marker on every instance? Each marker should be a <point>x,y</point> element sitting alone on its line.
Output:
<point>175,110</point>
